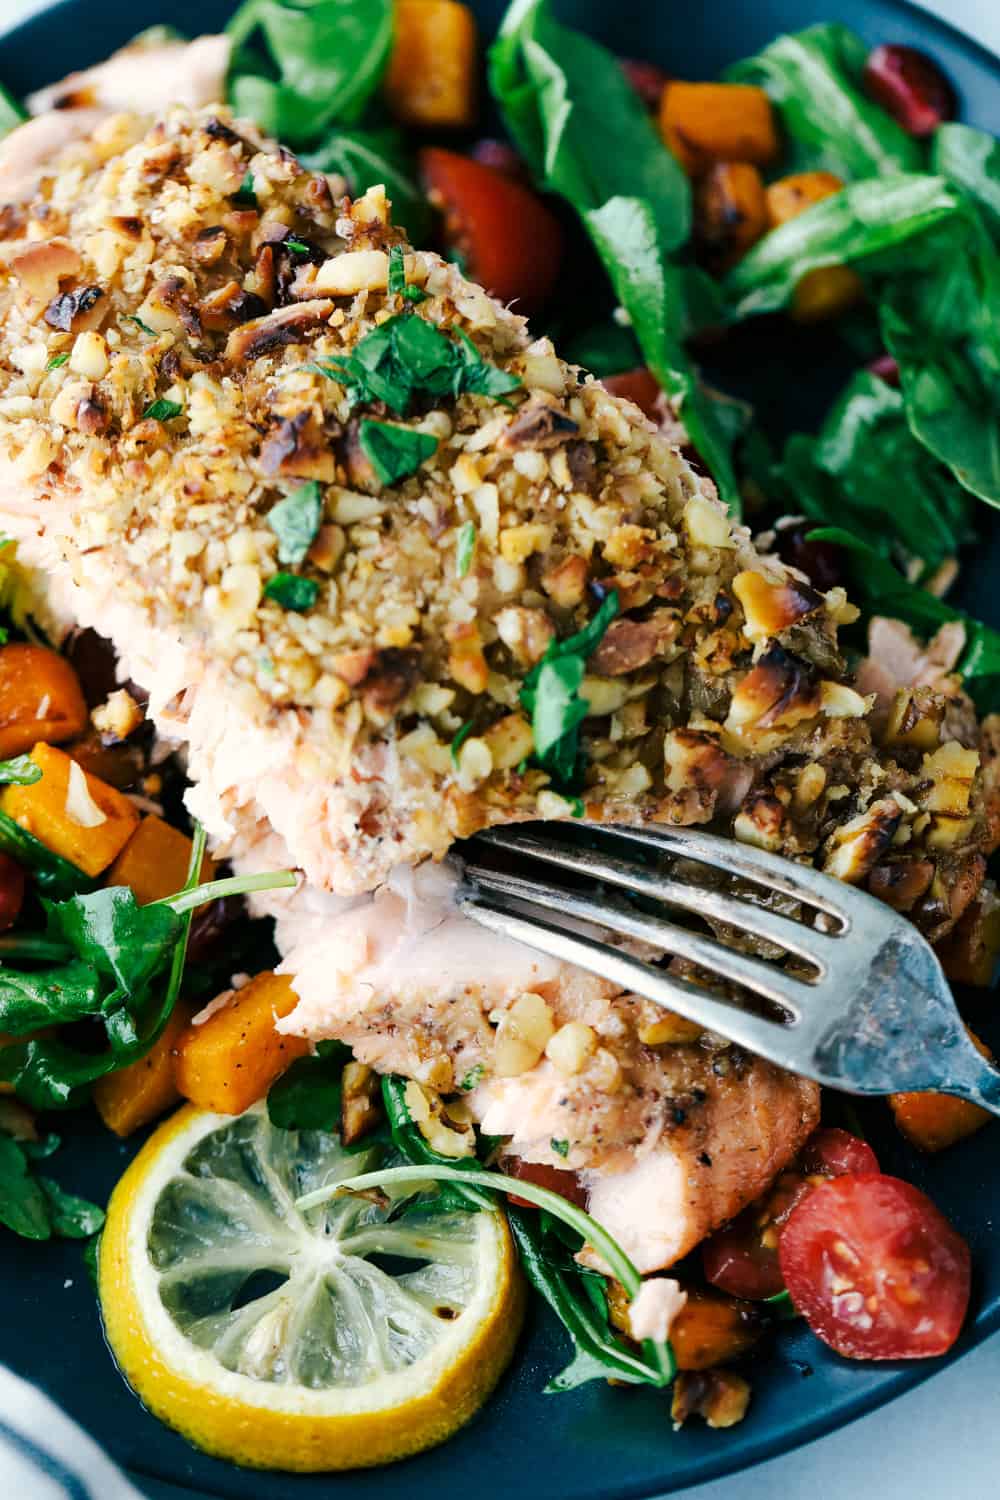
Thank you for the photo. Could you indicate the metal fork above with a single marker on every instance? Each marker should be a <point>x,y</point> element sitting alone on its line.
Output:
<point>872,1014</point>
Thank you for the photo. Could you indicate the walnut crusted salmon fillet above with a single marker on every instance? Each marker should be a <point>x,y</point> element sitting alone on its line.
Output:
<point>186,343</point>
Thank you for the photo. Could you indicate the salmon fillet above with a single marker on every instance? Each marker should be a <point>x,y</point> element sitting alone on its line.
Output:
<point>162,346</point>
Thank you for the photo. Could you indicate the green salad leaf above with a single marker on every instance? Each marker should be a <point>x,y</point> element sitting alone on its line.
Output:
<point>970,159</point>
<point>71,1217</point>
<point>36,1207</point>
<point>814,78</point>
<point>414,1149</point>
<point>307,1096</point>
<point>300,65</point>
<point>295,522</point>
<point>11,112</point>
<point>53,875</point>
<point>551,694</point>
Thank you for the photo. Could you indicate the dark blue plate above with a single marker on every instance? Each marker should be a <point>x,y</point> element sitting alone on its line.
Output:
<point>598,1443</point>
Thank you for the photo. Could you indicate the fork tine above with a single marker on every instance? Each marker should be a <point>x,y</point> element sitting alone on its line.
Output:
<point>755,1033</point>
<point>722,906</point>
<point>738,968</point>
<point>801,882</point>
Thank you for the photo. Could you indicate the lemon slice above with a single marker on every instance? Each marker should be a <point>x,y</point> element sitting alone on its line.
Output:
<point>332,1338</point>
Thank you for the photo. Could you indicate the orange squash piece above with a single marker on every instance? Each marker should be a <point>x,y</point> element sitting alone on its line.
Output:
<point>71,812</point>
<point>932,1122</point>
<point>711,1329</point>
<point>146,1089</point>
<point>730,213</point>
<point>829,290</point>
<point>431,78</point>
<point>230,1061</point>
<point>154,862</point>
<point>40,698</point>
<point>707,122</point>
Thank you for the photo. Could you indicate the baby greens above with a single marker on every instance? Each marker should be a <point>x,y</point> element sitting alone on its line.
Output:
<point>54,876</point>
<point>307,1097</point>
<point>551,694</point>
<point>413,1148</point>
<point>34,1206</point>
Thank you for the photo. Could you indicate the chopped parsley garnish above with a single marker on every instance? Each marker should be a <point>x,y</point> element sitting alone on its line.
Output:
<point>295,522</point>
<point>415,294</point>
<point>551,694</point>
<point>471,1078</point>
<point>131,318</point>
<point>397,271</point>
<point>459,740</point>
<point>406,355</point>
<point>297,246</point>
<point>394,452</point>
<point>292,591</point>
<point>162,410</point>
<point>245,195</point>
<point>561,1148</point>
<point>57,361</point>
<point>466,548</point>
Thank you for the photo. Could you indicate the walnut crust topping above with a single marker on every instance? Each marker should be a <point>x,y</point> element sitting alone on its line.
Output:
<point>169,358</point>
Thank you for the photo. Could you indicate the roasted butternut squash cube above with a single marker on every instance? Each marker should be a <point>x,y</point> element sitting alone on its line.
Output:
<point>154,862</point>
<point>146,1089</point>
<point>431,78</point>
<point>931,1122</point>
<point>730,213</point>
<point>707,122</point>
<point>40,698</point>
<point>829,290</point>
<point>71,812</point>
<point>792,195</point>
<point>230,1060</point>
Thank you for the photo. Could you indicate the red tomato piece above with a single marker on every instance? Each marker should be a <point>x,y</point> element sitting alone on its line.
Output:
<point>742,1257</point>
<point>11,891</point>
<point>876,1271</point>
<point>509,241</point>
<point>830,1152</point>
<point>639,385</point>
<point>557,1179</point>
<point>911,87</point>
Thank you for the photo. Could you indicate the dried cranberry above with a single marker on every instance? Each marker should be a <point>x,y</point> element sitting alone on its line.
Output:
<point>209,924</point>
<point>501,157</point>
<point>647,79</point>
<point>821,562</point>
<point>11,891</point>
<point>886,368</point>
<point>910,87</point>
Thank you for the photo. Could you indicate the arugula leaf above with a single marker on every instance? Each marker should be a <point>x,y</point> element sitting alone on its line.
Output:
<point>11,113</point>
<point>866,471</point>
<point>813,76</point>
<point>292,591</point>
<point>162,410</point>
<point>297,68</point>
<point>411,1145</point>
<point>295,522</point>
<point>369,157</point>
<point>394,452</point>
<point>307,1096</point>
<point>53,875</point>
<point>21,770</point>
<point>72,1218</point>
<point>970,159</point>
<point>882,590</point>
<point>863,221</point>
<point>465,550</point>
<point>551,694</point>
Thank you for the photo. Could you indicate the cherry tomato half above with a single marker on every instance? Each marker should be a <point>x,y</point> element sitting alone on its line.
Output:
<point>637,385</point>
<point>876,1271</point>
<point>556,1179</point>
<point>508,239</point>
<point>742,1258</point>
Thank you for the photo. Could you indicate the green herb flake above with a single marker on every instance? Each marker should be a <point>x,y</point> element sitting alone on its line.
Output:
<point>466,548</point>
<point>131,318</point>
<point>297,246</point>
<point>162,410</point>
<point>397,271</point>
<point>292,591</point>
<point>245,196</point>
<point>295,522</point>
<point>415,294</point>
<point>57,361</point>
<point>561,1148</point>
<point>459,740</point>
<point>472,1078</point>
<point>551,694</point>
<point>394,452</point>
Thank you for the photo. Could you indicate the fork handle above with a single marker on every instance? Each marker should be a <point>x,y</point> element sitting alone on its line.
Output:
<point>977,1081</point>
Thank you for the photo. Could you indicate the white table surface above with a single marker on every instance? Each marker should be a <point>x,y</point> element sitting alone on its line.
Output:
<point>942,1440</point>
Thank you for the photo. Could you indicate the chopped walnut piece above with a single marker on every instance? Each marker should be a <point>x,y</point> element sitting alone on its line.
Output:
<point>540,423</point>
<point>630,644</point>
<point>75,312</point>
<point>118,717</point>
<point>42,266</point>
<point>566,583</point>
<point>360,1102</point>
<point>720,1396</point>
<point>298,449</point>
<point>525,632</point>
<point>289,325</point>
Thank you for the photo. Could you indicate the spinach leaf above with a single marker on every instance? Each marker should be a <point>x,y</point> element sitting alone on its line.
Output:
<point>53,875</point>
<point>297,67</point>
<point>11,113</point>
<point>813,76</point>
<point>866,471</point>
<point>605,348</point>
<point>411,1145</point>
<point>295,522</point>
<point>20,771</point>
<point>859,225</point>
<point>23,1205</point>
<point>882,590</point>
<point>307,1096</point>
<point>292,591</point>
<point>394,452</point>
<point>72,1218</point>
<point>32,999</point>
<point>551,694</point>
<point>122,941</point>
<point>371,156</point>
<point>970,159</point>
